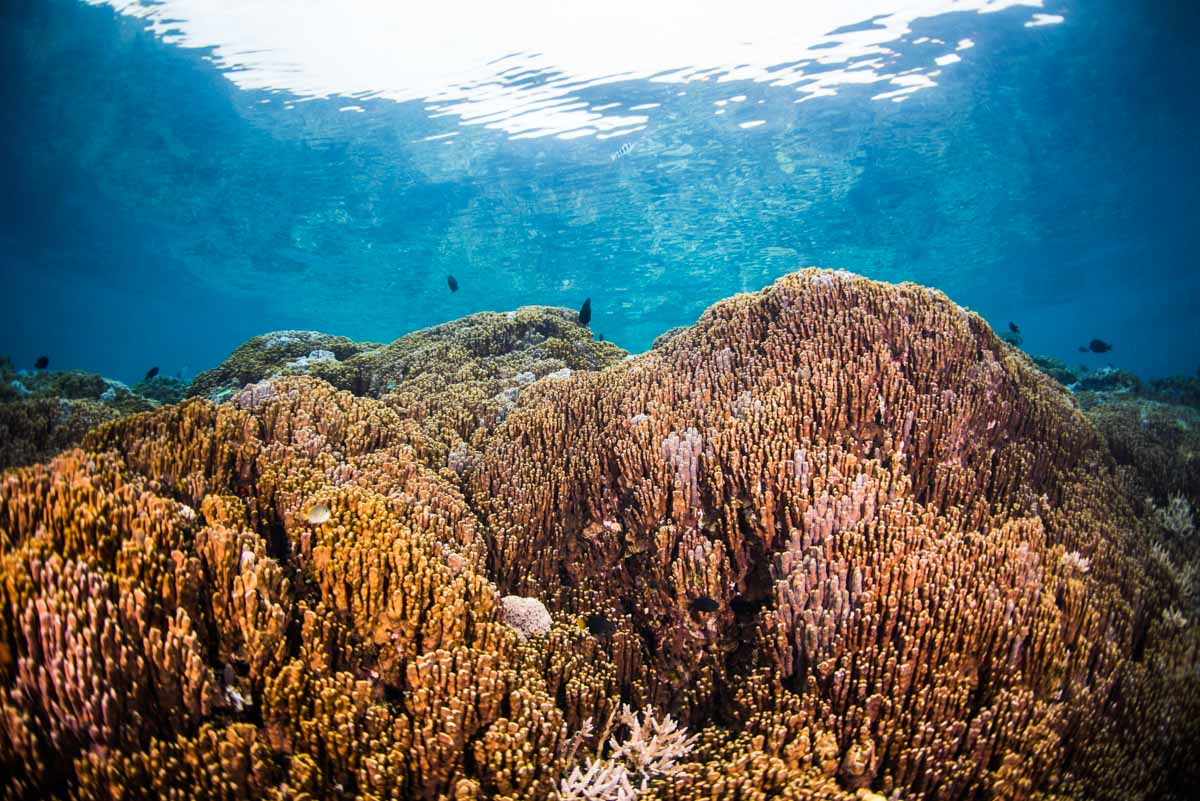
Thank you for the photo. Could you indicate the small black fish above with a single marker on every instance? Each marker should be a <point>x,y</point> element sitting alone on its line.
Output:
<point>600,338</point>
<point>585,312</point>
<point>452,282</point>
<point>1013,327</point>
<point>599,625</point>
<point>705,604</point>
<point>1099,346</point>
<point>153,371</point>
<point>42,363</point>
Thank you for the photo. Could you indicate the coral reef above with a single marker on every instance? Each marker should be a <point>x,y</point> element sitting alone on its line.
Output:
<point>44,413</point>
<point>1105,384</point>
<point>1056,369</point>
<point>834,541</point>
<point>34,429</point>
<point>279,353</point>
<point>1112,385</point>
<point>162,389</point>
<point>489,346</point>
<point>457,380</point>
<point>461,379</point>
<point>11,387</point>
<point>1179,390</point>
<point>666,336</point>
<point>1156,446</point>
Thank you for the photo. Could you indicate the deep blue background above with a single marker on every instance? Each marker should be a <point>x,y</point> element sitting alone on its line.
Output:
<point>153,214</point>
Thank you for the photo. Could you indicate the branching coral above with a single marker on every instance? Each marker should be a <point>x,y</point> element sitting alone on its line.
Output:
<point>649,750</point>
<point>856,544</point>
<point>839,465</point>
<point>598,780</point>
<point>652,746</point>
<point>1176,516</point>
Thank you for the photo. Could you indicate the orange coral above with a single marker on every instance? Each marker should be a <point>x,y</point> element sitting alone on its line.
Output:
<point>874,479</point>
<point>855,542</point>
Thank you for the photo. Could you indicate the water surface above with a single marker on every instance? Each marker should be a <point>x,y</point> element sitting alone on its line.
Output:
<point>186,174</point>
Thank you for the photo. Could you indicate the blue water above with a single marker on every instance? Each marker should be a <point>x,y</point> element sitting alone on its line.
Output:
<point>159,211</point>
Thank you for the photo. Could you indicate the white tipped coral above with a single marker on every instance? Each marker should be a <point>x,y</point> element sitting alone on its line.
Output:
<point>651,749</point>
<point>1076,561</point>
<point>1176,516</point>
<point>603,780</point>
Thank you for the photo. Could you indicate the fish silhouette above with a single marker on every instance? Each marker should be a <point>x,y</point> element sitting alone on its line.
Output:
<point>599,625</point>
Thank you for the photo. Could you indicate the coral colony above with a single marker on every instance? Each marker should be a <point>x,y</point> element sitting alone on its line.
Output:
<point>835,541</point>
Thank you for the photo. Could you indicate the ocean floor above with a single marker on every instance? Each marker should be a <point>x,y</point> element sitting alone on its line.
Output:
<point>837,540</point>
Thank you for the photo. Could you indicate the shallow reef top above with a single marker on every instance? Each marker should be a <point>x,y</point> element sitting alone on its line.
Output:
<point>835,541</point>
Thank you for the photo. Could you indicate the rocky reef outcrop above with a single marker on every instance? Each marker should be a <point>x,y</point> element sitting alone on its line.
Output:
<point>536,339</point>
<point>835,541</point>
<point>43,413</point>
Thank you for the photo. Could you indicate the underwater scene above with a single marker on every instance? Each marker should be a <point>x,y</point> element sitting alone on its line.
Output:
<point>600,401</point>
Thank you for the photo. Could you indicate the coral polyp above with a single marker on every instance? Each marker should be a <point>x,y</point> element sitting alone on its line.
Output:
<point>846,543</point>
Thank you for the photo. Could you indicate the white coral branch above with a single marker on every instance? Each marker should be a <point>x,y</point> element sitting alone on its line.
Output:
<point>1176,516</point>
<point>652,747</point>
<point>650,750</point>
<point>603,780</point>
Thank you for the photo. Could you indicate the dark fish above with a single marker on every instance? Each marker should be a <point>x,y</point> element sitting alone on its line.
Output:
<point>1099,346</point>
<point>153,371</point>
<point>600,338</point>
<point>42,363</point>
<point>744,606</point>
<point>705,604</point>
<point>585,312</point>
<point>452,282</point>
<point>599,625</point>
<point>1013,327</point>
